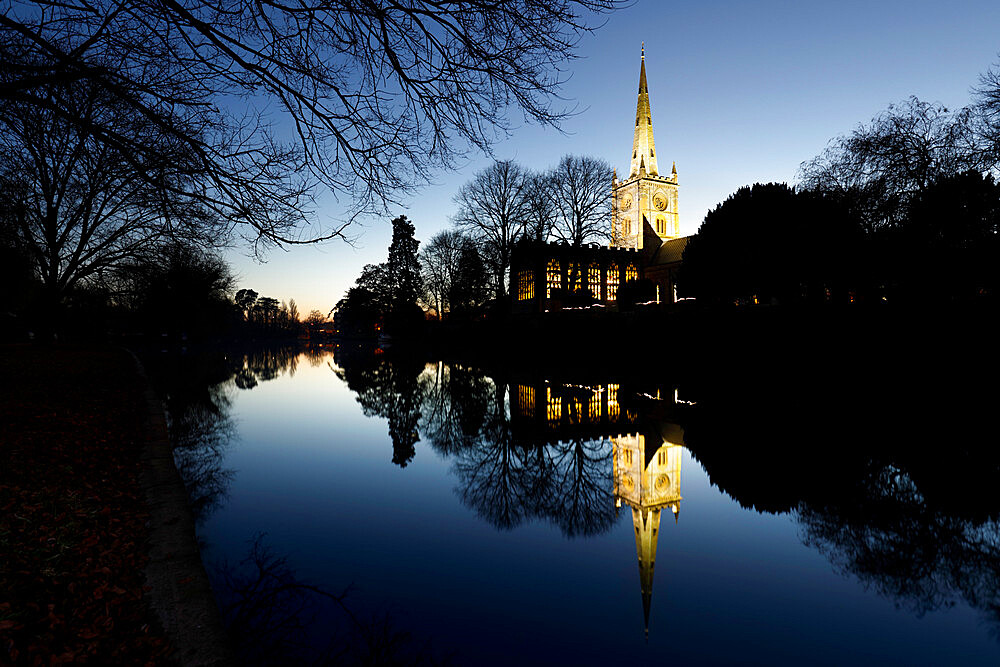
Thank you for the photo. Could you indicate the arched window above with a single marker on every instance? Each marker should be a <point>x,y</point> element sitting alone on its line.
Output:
<point>612,283</point>
<point>613,408</point>
<point>553,407</point>
<point>574,276</point>
<point>525,285</point>
<point>553,278</point>
<point>526,400</point>
<point>661,225</point>
<point>631,273</point>
<point>594,280</point>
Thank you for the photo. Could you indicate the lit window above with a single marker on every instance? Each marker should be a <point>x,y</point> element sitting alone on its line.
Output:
<point>553,278</point>
<point>526,400</point>
<point>574,410</point>
<point>613,409</point>
<point>573,277</point>
<point>553,407</point>
<point>612,283</point>
<point>631,273</point>
<point>525,285</point>
<point>594,406</point>
<point>594,280</point>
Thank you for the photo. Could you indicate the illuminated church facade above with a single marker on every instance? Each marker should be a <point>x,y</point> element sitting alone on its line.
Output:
<point>644,231</point>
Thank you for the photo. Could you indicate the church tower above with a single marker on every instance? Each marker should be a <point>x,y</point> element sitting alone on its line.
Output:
<point>644,197</point>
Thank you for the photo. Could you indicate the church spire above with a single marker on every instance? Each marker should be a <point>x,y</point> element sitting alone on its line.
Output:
<point>643,150</point>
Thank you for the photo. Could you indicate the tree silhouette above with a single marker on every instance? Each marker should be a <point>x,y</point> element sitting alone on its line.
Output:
<point>952,225</point>
<point>879,168</point>
<point>493,210</point>
<point>579,187</point>
<point>376,95</point>
<point>81,210</point>
<point>770,242</point>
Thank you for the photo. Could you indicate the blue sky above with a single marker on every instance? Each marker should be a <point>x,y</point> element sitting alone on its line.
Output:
<point>740,93</point>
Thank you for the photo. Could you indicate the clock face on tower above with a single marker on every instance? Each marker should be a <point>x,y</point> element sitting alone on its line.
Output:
<point>626,202</point>
<point>659,201</point>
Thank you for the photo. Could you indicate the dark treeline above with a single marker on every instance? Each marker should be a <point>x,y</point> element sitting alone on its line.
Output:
<point>905,208</point>
<point>173,291</point>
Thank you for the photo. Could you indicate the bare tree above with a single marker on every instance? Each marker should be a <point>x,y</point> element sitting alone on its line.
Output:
<point>82,209</point>
<point>493,210</point>
<point>373,95</point>
<point>541,209</point>
<point>438,263</point>
<point>315,318</point>
<point>580,185</point>
<point>987,114</point>
<point>881,166</point>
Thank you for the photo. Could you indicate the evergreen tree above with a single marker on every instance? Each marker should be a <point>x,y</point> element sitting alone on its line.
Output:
<point>403,269</point>
<point>471,286</point>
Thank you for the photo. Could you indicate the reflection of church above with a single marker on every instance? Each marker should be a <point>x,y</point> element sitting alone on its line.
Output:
<point>644,231</point>
<point>646,455</point>
<point>647,478</point>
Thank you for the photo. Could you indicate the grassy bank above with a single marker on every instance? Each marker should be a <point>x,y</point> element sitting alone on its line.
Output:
<point>72,519</point>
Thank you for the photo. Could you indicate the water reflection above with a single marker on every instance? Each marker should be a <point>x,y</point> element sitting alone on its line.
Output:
<point>198,388</point>
<point>391,391</point>
<point>568,453</point>
<point>895,489</point>
<point>892,479</point>
<point>647,478</point>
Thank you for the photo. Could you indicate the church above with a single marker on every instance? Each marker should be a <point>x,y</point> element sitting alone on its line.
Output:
<point>644,232</point>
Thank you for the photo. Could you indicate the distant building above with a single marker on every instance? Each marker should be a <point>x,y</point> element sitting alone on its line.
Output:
<point>645,237</point>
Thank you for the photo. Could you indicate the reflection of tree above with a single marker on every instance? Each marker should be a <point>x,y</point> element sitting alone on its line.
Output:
<point>582,492</point>
<point>906,504</point>
<point>200,434</point>
<point>491,476</point>
<point>466,415</point>
<point>198,401</point>
<point>198,396</point>
<point>893,540</point>
<point>457,400</point>
<point>392,391</point>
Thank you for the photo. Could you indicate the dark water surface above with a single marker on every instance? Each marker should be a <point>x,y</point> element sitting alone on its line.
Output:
<point>535,517</point>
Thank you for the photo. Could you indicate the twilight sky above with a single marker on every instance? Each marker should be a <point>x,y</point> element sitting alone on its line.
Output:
<point>740,93</point>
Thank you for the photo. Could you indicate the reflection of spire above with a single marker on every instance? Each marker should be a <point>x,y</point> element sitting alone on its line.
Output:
<point>648,480</point>
<point>647,525</point>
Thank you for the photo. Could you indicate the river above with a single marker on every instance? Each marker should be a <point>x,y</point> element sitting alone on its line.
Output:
<point>354,505</point>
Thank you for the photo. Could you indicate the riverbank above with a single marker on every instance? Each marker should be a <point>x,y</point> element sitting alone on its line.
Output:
<point>77,525</point>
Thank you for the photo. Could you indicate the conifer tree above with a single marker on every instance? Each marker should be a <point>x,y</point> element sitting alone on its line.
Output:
<point>403,267</point>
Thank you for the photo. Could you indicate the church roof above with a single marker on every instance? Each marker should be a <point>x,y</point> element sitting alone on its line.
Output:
<point>670,252</point>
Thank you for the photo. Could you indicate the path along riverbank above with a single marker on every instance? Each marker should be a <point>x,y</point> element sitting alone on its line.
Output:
<point>98,558</point>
